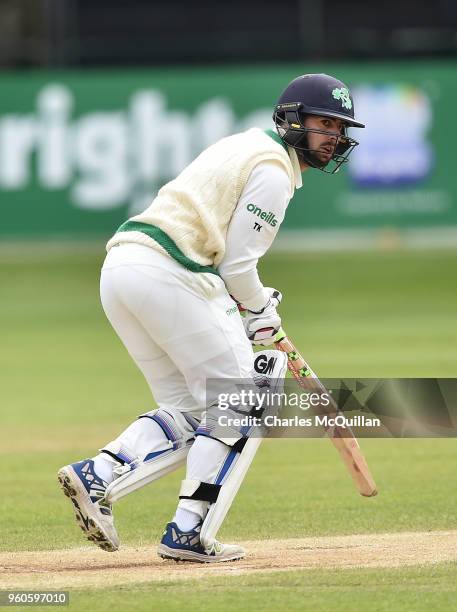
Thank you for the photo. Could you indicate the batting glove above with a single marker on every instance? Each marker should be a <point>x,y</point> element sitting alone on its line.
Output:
<point>262,326</point>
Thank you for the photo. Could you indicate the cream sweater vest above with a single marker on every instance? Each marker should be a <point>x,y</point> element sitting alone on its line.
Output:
<point>188,219</point>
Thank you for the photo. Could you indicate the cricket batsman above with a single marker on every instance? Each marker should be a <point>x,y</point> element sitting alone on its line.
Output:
<point>171,286</point>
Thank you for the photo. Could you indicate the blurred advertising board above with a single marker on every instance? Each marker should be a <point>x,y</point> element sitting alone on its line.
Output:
<point>81,151</point>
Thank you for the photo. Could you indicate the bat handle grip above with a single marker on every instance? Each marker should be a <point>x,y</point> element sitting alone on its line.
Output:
<point>280,335</point>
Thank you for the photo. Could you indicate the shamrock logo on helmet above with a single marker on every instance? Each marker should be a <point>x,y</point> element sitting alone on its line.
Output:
<point>343,95</point>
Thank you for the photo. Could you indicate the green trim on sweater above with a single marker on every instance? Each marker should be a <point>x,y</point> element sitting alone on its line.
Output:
<point>167,243</point>
<point>277,138</point>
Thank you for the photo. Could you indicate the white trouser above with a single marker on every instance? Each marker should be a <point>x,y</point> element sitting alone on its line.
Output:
<point>179,327</point>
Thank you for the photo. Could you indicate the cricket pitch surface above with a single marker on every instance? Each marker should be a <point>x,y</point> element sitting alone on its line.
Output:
<point>91,567</point>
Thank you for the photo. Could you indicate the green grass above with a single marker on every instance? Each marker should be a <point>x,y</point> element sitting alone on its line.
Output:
<point>375,314</point>
<point>68,386</point>
<point>296,488</point>
<point>415,588</point>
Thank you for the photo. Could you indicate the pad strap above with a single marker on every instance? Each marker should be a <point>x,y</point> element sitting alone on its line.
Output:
<point>113,456</point>
<point>201,491</point>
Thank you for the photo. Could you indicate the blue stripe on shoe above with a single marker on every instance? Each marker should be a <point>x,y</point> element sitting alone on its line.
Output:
<point>94,485</point>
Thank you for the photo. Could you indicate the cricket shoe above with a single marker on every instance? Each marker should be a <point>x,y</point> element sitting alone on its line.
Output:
<point>186,546</point>
<point>93,513</point>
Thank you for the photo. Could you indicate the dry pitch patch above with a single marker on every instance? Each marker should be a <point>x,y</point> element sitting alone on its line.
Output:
<point>91,567</point>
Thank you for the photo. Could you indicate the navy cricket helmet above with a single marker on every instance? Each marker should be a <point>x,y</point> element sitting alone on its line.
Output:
<point>324,96</point>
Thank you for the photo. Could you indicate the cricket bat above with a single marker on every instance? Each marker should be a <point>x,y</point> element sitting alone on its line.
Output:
<point>342,439</point>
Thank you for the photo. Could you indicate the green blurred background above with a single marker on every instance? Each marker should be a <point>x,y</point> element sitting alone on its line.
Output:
<point>81,151</point>
<point>365,258</point>
<point>101,103</point>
